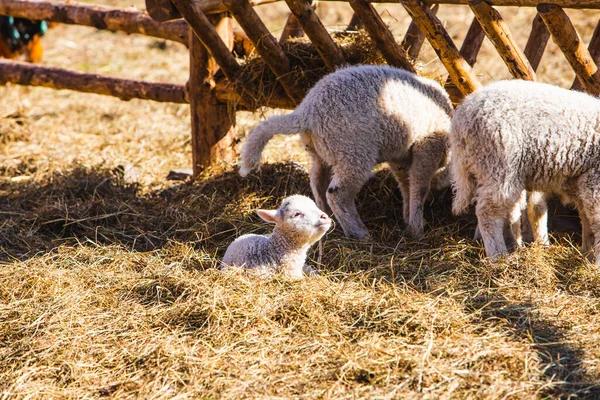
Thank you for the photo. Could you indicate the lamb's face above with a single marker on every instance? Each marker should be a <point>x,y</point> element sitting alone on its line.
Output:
<point>300,218</point>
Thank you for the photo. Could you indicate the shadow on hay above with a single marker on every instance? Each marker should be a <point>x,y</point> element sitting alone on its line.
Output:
<point>561,361</point>
<point>96,206</point>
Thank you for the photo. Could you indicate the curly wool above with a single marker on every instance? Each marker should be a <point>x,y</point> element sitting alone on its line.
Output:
<point>355,118</point>
<point>517,135</point>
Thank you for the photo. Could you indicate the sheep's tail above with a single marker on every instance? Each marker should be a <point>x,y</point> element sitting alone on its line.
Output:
<point>463,183</point>
<point>260,136</point>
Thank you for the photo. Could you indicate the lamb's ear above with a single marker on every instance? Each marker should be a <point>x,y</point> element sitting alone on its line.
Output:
<point>269,215</point>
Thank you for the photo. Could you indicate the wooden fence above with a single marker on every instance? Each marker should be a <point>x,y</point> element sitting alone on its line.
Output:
<point>214,90</point>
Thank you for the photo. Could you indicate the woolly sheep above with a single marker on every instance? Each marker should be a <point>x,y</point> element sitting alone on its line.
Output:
<point>360,116</point>
<point>513,136</point>
<point>298,225</point>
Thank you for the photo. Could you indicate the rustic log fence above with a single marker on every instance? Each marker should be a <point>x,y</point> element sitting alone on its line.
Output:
<point>214,91</point>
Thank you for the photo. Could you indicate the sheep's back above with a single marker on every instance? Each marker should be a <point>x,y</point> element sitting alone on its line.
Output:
<point>248,251</point>
<point>536,133</point>
<point>374,109</point>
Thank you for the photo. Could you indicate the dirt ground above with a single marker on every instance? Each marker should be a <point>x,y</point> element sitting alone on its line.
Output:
<point>108,286</point>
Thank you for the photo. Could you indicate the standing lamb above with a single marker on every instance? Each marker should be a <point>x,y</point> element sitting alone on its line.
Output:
<point>356,118</point>
<point>298,225</point>
<point>516,135</point>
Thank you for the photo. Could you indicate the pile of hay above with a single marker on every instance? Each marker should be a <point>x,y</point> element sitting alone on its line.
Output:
<point>111,290</point>
<point>258,83</point>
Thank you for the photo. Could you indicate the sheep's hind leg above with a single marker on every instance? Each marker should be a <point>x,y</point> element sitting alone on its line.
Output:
<point>490,220</point>
<point>594,224</point>
<point>588,205</point>
<point>320,177</point>
<point>340,196</point>
<point>587,235</point>
<point>426,159</point>
<point>537,213</point>
<point>403,184</point>
<point>512,228</point>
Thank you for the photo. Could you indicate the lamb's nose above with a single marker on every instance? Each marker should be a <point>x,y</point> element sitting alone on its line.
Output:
<point>324,217</point>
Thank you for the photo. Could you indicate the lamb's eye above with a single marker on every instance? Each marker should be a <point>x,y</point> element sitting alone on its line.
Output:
<point>297,214</point>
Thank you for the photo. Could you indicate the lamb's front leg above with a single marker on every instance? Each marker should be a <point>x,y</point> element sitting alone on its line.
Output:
<point>320,178</point>
<point>340,195</point>
<point>491,219</point>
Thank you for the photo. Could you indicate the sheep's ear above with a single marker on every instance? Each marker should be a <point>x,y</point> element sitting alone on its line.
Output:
<point>269,215</point>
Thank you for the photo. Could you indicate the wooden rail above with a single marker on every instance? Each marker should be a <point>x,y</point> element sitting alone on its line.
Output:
<point>101,17</point>
<point>216,6</point>
<point>536,44</point>
<point>312,25</point>
<point>28,74</point>
<point>266,45</point>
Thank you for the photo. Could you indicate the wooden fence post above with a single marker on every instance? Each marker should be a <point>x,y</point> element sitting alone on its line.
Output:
<point>414,37</point>
<point>381,35</point>
<point>213,133</point>
<point>497,31</point>
<point>536,44</point>
<point>568,40</point>
<point>594,49</point>
<point>459,70</point>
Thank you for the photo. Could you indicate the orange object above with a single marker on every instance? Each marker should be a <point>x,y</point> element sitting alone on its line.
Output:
<point>35,50</point>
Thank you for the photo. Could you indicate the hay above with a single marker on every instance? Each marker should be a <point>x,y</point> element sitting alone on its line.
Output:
<point>258,82</point>
<point>108,288</point>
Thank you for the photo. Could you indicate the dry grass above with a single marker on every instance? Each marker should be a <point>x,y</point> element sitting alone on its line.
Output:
<point>108,288</point>
<point>258,83</point>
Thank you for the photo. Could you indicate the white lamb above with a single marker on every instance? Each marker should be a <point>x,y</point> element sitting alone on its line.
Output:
<point>516,135</point>
<point>360,116</point>
<point>298,225</point>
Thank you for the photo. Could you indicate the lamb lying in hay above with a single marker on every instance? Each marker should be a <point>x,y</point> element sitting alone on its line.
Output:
<point>298,225</point>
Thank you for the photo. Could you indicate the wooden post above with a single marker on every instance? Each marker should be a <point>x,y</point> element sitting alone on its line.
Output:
<point>381,35</point>
<point>213,133</point>
<point>594,49</point>
<point>355,23</point>
<point>536,44</point>
<point>497,31</point>
<point>208,35</point>
<point>291,29</point>
<point>266,45</point>
<point>414,38</point>
<point>459,70</point>
<point>162,10</point>
<point>469,50</point>
<point>318,35</point>
<point>568,40</point>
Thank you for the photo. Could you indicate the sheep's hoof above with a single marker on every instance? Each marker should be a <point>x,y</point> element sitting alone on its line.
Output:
<point>365,237</point>
<point>415,234</point>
